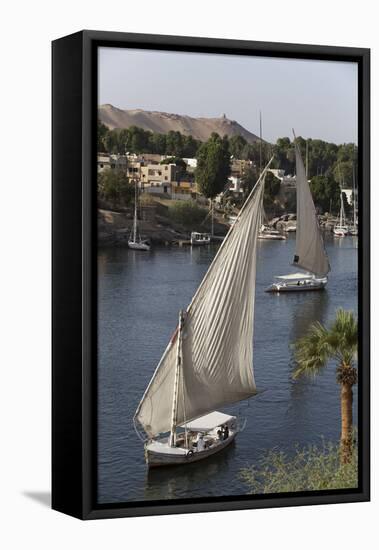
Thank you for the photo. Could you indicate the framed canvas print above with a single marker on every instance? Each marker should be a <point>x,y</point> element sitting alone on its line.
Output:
<point>210,274</point>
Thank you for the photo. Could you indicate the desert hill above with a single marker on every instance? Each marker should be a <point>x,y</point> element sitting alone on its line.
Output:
<point>155,121</point>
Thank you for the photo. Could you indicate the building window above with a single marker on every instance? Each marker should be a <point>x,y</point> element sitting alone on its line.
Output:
<point>166,178</point>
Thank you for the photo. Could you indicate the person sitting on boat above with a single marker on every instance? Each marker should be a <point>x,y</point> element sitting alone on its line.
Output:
<point>201,443</point>
<point>220,434</point>
<point>226,432</point>
<point>197,439</point>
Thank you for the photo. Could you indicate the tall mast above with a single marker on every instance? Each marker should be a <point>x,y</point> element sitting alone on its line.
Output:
<point>174,411</point>
<point>135,213</point>
<point>354,203</point>
<point>260,142</point>
<point>212,221</point>
<point>342,213</point>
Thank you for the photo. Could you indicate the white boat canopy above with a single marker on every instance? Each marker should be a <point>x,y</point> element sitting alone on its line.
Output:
<point>208,422</point>
<point>295,276</point>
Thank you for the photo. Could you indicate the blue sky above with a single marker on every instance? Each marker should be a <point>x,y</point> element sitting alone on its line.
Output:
<point>316,98</point>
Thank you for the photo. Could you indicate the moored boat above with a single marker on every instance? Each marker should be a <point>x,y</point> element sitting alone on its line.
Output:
<point>290,228</point>
<point>267,233</point>
<point>198,239</point>
<point>297,282</point>
<point>353,229</point>
<point>341,229</point>
<point>310,254</point>
<point>135,241</point>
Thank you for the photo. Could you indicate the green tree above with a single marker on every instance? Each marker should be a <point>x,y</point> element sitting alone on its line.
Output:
<point>213,166</point>
<point>249,179</point>
<point>338,343</point>
<point>237,145</point>
<point>343,172</point>
<point>283,155</point>
<point>190,146</point>
<point>111,141</point>
<point>326,193</point>
<point>102,131</point>
<point>138,139</point>
<point>272,188</point>
<point>114,186</point>
<point>174,144</point>
<point>346,152</point>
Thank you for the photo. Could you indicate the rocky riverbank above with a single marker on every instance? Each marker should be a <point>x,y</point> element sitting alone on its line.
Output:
<point>114,228</point>
<point>288,221</point>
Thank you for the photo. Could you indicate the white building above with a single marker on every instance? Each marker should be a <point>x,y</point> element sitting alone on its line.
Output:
<point>235,185</point>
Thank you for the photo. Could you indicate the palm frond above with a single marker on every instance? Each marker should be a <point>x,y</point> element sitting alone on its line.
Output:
<point>319,345</point>
<point>343,336</point>
<point>312,351</point>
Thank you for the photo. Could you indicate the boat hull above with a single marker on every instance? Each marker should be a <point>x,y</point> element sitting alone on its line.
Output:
<point>138,246</point>
<point>269,237</point>
<point>286,287</point>
<point>156,459</point>
<point>200,243</point>
<point>340,231</point>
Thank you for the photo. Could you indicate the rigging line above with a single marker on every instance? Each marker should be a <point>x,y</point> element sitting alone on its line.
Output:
<point>137,431</point>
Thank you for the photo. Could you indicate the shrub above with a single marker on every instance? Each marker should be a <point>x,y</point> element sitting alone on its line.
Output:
<point>311,469</point>
<point>188,214</point>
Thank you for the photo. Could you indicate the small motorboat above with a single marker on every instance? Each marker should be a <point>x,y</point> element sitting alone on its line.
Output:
<point>267,233</point>
<point>200,238</point>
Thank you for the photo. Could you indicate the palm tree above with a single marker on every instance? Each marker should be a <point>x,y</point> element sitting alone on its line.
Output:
<point>317,348</point>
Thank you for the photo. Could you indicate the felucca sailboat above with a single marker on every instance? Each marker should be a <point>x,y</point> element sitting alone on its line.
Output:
<point>353,230</point>
<point>209,361</point>
<point>310,254</point>
<point>341,229</point>
<point>135,242</point>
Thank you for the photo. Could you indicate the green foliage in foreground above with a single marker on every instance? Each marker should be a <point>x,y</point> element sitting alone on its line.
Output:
<point>311,469</point>
<point>187,213</point>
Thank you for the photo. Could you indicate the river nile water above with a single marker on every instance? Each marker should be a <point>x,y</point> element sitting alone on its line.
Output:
<point>139,296</point>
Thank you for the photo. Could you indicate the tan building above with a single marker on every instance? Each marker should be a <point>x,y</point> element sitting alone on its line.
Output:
<point>158,178</point>
<point>183,190</point>
<point>106,162</point>
<point>239,167</point>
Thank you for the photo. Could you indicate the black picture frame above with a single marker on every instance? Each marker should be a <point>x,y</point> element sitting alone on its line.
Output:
<point>74,89</point>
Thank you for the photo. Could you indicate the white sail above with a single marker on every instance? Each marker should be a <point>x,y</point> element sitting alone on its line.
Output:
<point>217,335</point>
<point>310,252</point>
